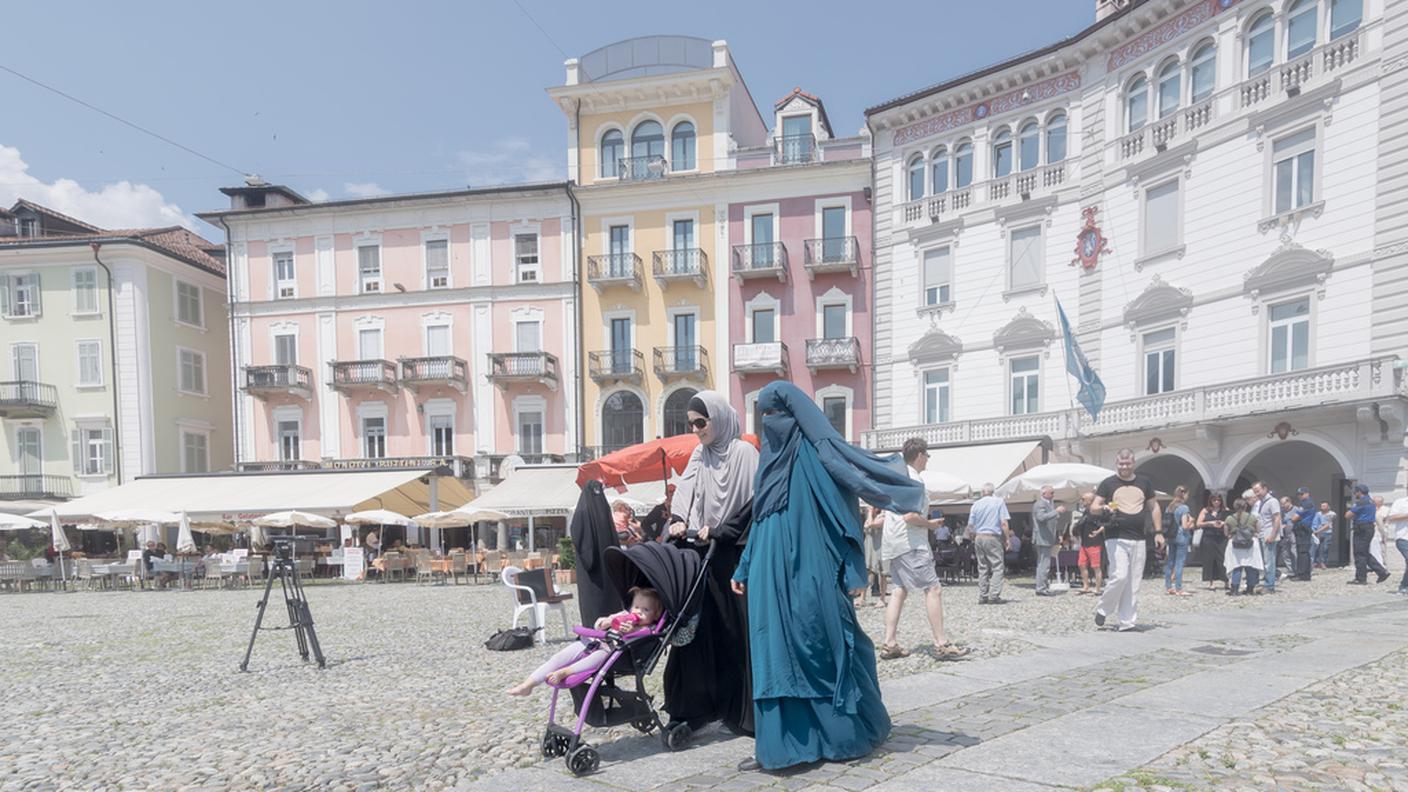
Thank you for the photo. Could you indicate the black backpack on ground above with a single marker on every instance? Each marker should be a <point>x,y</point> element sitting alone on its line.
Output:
<point>511,640</point>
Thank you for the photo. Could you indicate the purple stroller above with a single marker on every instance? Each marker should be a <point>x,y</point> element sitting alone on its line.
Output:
<point>597,696</point>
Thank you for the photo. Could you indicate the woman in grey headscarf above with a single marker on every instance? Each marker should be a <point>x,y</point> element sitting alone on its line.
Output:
<point>708,678</point>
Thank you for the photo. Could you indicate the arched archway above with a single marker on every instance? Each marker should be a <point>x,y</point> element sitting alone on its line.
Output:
<point>1287,465</point>
<point>673,421</point>
<point>622,420</point>
<point>1168,471</point>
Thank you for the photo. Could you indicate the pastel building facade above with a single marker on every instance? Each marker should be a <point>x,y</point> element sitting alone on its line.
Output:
<point>422,329</point>
<point>1207,187</point>
<point>116,356</point>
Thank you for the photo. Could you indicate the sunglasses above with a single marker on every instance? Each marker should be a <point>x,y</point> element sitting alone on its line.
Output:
<point>699,423</point>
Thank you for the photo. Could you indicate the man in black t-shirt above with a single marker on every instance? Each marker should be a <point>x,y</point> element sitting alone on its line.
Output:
<point>1130,497</point>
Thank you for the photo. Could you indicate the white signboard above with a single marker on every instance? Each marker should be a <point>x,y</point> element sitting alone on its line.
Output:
<point>354,563</point>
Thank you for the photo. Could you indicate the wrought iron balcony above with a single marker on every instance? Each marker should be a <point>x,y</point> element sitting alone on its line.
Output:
<point>796,149</point>
<point>616,365</point>
<point>26,399</point>
<point>506,368</point>
<point>767,357</point>
<point>265,381</point>
<point>689,264</point>
<point>614,269</point>
<point>643,168</point>
<point>357,375</point>
<point>682,362</point>
<point>439,370</point>
<point>35,485</point>
<point>760,260</point>
<point>832,254</point>
<point>831,353</point>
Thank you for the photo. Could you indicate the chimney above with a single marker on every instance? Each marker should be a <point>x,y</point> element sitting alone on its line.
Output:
<point>1104,8</point>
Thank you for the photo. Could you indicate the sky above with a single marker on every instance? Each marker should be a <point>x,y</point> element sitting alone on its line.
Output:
<point>351,99</point>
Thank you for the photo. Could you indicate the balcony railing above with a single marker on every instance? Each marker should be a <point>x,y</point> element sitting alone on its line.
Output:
<point>506,368</point>
<point>832,254</point>
<point>491,467</point>
<point>278,465</point>
<point>614,269</point>
<point>681,362</point>
<point>353,375</point>
<point>760,358</point>
<point>796,149</point>
<point>760,260</point>
<point>643,168</point>
<point>439,370</point>
<point>26,399</point>
<point>460,466</point>
<point>829,353</point>
<point>35,485</point>
<point>1010,189</point>
<point>616,365</point>
<point>264,381</point>
<point>1357,381</point>
<point>690,264</point>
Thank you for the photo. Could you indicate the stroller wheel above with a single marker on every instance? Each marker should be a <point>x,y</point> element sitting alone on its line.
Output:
<point>582,760</point>
<point>677,736</point>
<point>644,725</point>
<point>554,745</point>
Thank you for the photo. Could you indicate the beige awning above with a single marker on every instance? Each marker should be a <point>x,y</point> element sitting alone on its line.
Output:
<point>552,491</point>
<point>993,464</point>
<point>234,497</point>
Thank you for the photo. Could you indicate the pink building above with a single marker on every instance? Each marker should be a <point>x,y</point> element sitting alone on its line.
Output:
<point>434,328</point>
<point>799,225</point>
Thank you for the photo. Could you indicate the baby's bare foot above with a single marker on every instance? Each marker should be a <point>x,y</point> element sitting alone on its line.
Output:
<point>522,689</point>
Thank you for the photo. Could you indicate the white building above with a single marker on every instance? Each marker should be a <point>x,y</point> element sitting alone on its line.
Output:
<point>1248,316</point>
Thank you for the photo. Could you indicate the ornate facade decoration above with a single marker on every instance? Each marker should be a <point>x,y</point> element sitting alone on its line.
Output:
<point>1290,267</point>
<point>1159,302</point>
<point>1168,31</point>
<point>1024,332</point>
<point>1090,242</point>
<point>1012,100</point>
<point>935,346</point>
<point>1282,430</point>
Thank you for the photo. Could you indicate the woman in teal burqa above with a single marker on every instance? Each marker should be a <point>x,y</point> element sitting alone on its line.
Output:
<point>815,691</point>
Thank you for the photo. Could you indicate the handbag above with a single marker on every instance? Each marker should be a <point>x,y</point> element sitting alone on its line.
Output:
<point>511,640</point>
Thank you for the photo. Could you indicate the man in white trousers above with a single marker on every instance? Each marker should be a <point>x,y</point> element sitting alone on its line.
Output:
<point>1130,497</point>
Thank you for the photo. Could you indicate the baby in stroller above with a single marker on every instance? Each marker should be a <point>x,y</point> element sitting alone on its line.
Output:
<point>589,653</point>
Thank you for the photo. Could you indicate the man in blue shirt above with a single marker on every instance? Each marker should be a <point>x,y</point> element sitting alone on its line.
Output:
<point>1302,518</point>
<point>1322,531</point>
<point>1362,517</point>
<point>988,525</point>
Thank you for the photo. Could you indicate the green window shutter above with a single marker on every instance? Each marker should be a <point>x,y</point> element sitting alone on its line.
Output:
<point>77,451</point>
<point>38,295</point>
<point>4,295</point>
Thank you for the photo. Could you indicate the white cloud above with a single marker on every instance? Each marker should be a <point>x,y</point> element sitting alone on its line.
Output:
<point>318,196</point>
<point>364,189</point>
<point>119,205</point>
<point>508,160</point>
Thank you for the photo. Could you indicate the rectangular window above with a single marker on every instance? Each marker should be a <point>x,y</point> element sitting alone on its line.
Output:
<point>437,341</point>
<point>1026,257</point>
<point>90,363</point>
<point>1345,16</point>
<point>284,286</point>
<point>763,330</point>
<point>29,443</point>
<point>374,438</point>
<point>286,349</point>
<point>621,357</point>
<point>188,307</point>
<point>195,452</point>
<point>437,263</point>
<point>26,362</point>
<point>936,396</point>
<point>85,291</point>
<point>528,336</point>
<point>833,321</point>
<point>92,450</point>
<point>1158,361</point>
<point>762,250</point>
<point>686,353</point>
<point>525,257</point>
<point>938,276</point>
<point>619,264</point>
<point>530,432</point>
<point>369,268</point>
<point>442,434</point>
<point>1161,218</point>
<point>20,295</point>
<point>1289,330</point>
<point>1293,171</point>
<point>290,441</point>
<point>834,407</point>
<point>369,343</point>
<point>1026,375</point>
<point>834,245</point>
<point>683,237</point>
<point>191,374</point>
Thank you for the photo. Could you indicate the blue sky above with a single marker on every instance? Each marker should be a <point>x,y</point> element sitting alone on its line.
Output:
<point>353,98</point>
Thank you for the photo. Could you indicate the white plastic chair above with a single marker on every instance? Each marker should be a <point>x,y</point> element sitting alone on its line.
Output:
<point>525,599</point>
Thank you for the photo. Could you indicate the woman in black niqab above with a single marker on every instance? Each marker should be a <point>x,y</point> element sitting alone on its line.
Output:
<point>592,531</point>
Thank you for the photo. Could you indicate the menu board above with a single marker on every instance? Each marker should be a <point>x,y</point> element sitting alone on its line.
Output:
<point>354,563</point>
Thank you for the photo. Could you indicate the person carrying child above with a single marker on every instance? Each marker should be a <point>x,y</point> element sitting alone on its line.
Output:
<point>589,654</point>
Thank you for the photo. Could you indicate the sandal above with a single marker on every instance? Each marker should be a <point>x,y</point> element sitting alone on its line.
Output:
<point>951,651</point>
<point>893,652</point>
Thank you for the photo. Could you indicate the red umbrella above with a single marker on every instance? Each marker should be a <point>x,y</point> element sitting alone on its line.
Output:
<point>638,464</point>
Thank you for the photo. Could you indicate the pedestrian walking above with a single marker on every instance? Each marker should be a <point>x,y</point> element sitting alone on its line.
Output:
<point>1091,532</point>
<point>1381,534</point>
<point>874,528</point>
<point>1286,555</point>
<point>991,532</point>
<point>1180,532</point>
<point>1244,550</point>
<point>1302,516</point>
<point>1212,547</point>
<point>1268,515</point>
<point>1362,516</point>
<point>1132,501</point>
<point>1046,535</point>
<point>1322,533</point>
<point>1397,519</point>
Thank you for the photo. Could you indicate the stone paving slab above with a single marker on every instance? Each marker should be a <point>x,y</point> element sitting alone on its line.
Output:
<point>939,777</point>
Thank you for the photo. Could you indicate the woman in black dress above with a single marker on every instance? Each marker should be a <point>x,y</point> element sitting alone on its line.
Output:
<point>1212,519</point>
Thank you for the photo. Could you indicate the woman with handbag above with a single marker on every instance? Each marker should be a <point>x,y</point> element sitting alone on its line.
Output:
<point>1213,522</point>
<point>1243,547</point>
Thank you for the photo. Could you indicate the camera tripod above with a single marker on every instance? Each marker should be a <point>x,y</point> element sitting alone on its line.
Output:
<point>300,618</point>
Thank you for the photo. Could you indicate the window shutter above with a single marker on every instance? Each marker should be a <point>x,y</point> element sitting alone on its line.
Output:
<point>38,309</point>
<point>4,295</point>
<point>107,450</point>
<point>77,451</point>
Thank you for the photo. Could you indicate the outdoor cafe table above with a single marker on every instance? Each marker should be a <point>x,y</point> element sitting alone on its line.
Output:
<point>184,567</point>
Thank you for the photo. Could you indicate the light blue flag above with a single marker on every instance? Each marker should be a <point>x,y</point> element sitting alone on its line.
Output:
<point>1092,391</point>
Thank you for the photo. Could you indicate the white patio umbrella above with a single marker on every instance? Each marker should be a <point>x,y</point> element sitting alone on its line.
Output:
<point>295,519</point>
<point>185,542</point>
<point>378,517</point>
<point>944,486</point>
<point>60,541</point>
<point>1069,479</point>
<point>14,522</point>
<point>257,536</point>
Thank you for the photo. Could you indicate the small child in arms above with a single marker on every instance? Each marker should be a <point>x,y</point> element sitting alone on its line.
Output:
<point>589,654</point>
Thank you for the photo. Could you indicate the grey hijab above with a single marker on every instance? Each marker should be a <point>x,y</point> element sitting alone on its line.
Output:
<point>718,480</point>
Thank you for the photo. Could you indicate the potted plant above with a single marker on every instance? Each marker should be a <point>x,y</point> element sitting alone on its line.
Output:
<point>566,562</point>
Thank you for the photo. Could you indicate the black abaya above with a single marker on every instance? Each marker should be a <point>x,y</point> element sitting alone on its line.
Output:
<point>593,531</point>
<point>1212,549</point>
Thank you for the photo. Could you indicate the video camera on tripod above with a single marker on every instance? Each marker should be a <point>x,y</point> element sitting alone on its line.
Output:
<point>300,618</point>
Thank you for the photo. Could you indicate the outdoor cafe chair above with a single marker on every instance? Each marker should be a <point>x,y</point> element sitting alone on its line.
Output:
<point>254,570</point>
<point>424,570</point>
<point>533,594</point>
<point>459,566</point>
<point>214,574</point>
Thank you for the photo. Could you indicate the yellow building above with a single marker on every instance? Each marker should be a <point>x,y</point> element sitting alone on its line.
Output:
<point>649,121</point>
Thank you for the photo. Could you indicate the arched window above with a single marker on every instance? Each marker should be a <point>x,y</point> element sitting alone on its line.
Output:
<point>1002,154</point>
<point>1029,146</point>
<point>1261,44</point>
<point>682,146</point>
<point>613,148</point>
<point>962,165</point>
<point>1056,138</point>
<point>916,177</point>
<point>621,420</point>
<point>1345,16</point>
<point>1136,104</point>
<point>674,421</point>
<point>938,170</point>
<point>1170,88</point>
<point>1301,22</point>
<point>1203,73</point>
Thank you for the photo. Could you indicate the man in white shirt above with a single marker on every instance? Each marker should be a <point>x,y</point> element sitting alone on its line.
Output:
<point>1268,517</point>
<point>1397,521</point>
<point>905,549</point>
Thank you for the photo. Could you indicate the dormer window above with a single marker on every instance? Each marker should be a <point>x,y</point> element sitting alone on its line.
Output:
<point>253,200</point>
<point>29,226</point>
